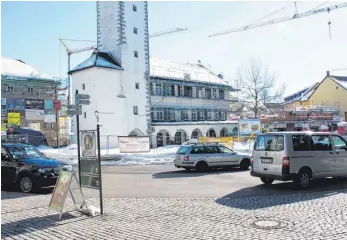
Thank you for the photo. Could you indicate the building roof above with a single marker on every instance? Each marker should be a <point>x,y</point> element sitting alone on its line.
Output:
<point>14,67</point>
<point>98,59</point>
<point>340,80</point>
<point>301,95</point>
<point>184,71</point>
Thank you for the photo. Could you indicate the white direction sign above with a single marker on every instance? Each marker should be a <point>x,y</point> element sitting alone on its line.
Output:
<point>82,101</point>
<point>88,143</point>
<point>82,96</point>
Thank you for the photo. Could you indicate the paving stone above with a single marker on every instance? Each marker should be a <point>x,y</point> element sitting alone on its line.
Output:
<point>301,216</point>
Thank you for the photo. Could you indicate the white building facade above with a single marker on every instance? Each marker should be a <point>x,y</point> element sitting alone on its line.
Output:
<point>116,76</point>
<point>188,101</point>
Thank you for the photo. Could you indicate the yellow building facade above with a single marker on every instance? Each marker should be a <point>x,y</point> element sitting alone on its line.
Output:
<point>331,93</point>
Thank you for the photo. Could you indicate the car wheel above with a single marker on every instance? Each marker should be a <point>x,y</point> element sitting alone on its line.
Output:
<point>27,184</point>
<point>201,167</point>
<point>303,179</point>
<point>267,181</point>
<point>245,164</point>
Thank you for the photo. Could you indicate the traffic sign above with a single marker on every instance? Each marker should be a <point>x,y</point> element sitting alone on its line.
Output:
<point>88,144</point>
<point>82,101</point>
<point>72,112</point>
<point>82,96</point>
<point>74,107</point>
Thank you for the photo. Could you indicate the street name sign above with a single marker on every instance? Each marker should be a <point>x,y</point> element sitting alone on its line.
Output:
<point>82,96</point>
<point>82,101</point>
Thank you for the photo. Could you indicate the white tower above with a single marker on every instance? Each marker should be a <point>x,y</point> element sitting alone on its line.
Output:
<point>116,76</point>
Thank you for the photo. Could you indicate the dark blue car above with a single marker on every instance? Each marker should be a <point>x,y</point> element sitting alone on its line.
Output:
<point>27,168</point>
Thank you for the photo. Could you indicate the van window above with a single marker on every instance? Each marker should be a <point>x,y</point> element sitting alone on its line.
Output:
<point>301,143</point>
<point>339,144</point>
<point>197,150</point>
<point>269,143</point>
<point>182,150</point>
<point>321,143</point>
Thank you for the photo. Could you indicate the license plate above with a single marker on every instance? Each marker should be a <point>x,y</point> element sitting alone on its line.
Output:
<point>266,160</point>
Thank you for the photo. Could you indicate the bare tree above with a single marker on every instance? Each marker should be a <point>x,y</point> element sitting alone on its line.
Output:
<point>258,87</point>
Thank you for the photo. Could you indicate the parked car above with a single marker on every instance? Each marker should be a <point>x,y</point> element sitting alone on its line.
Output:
<point>203,156</point>
<point>29,136</point>
<point>299,156</point>
<point>27,168</point>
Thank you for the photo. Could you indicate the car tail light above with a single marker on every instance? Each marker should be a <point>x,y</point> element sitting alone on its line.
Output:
<point>186,158</point>
<point>285,161</point>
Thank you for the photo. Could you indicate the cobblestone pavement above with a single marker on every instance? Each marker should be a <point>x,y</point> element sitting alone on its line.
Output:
<point>301,216</point>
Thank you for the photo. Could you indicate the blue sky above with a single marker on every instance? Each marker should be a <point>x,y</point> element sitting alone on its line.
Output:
<point>299,52</point>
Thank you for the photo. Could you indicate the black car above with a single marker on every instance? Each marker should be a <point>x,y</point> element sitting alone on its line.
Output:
<point>27,168</point>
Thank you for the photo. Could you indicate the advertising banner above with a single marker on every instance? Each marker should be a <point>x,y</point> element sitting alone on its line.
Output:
<point>249,126</point>
<point>50,118</point>
<point>37,104</point>
<point>227,141</point>
<point>134,144</point>
<point>33,114</point>
<point>60,191</point>
<point>15,103</point>
<point>3,112</point>
<point>35,126</point>
<point>13,118</point>
<point>48,104</point>
<point>57,104</point>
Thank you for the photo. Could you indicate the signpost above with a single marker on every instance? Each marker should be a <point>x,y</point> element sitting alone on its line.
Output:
<point>74,110</point>
<point>82,99</point>
<point>89,165</point>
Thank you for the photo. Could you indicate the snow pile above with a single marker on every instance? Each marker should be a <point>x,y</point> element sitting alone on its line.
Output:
<point>245,147</point>
<point>161,155</point>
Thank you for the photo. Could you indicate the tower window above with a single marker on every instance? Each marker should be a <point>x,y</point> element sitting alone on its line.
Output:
<point>137,85</point>
<point>83,86</point>
<point>135,30</point>
<point>134,8</point>
<point>136,110</point>
<point>30,89</point>
<point>85,115</point>
<point>136,54</point>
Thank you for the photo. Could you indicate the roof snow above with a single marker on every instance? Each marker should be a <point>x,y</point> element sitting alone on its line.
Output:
<point>183,71</point>
<point>302,95</point>
<point>11,66</point>
<point>340,80</point>
<point>98,59</point>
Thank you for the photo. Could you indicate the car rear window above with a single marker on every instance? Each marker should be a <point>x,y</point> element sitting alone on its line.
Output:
<point>269,143</point>
<point>182,150</point>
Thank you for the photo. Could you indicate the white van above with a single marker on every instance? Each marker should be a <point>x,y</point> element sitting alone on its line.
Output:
<point>299,156</point>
